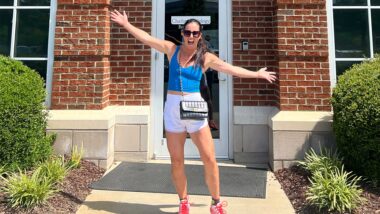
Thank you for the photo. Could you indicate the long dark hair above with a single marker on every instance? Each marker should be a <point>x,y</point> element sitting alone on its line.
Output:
<point>202,48</point>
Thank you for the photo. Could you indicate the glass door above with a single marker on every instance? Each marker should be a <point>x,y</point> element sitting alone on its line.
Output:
<point>171,14</point>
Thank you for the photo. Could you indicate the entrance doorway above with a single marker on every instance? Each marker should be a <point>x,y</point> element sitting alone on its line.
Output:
<point>168,21</point>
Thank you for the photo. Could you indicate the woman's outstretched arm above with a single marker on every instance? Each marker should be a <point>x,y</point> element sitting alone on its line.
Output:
<point>163,46</point>
<point>212,61</point>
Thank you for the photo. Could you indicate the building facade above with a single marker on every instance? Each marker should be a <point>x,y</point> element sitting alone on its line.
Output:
<point>106,90</point>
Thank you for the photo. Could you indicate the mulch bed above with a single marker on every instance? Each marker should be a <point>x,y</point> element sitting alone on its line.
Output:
<point>294,182</point>
<point>74,190</point>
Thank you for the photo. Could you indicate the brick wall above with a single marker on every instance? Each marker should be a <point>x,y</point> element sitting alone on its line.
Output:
<point>253,21</point>
<point>81,75</point>
<point>99,64</point>
<point>130,59</point>
<point>302,49</point>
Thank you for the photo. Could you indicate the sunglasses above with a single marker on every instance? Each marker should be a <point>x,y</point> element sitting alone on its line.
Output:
<point>187,33</point>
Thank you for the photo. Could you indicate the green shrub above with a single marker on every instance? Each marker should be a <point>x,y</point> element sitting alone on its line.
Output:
<point>337,190</point>
<point>75,158</point>
<point>23,190</point>
<point>356,104</point>
<point>23,119</point>
<point>326,161</point>
<point>53,170</point>
<point>2,170</point>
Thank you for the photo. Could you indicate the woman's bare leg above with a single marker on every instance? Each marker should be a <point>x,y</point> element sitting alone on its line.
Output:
<point>204,142</point>
<point>176,144</point>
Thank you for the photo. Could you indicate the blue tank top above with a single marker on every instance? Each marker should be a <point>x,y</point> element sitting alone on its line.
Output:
<point>191,76</point>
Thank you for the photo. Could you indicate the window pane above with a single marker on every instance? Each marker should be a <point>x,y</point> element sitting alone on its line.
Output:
<point>375,2</point>
<point>376,30</point>
<point>32,33</point>
<point>349,2</point>
<point>351,33</point>
<point>39,66</point>
<point>33,2</point>
<point>342,66</point>
<point>5,31</point>
<point>6,2</point>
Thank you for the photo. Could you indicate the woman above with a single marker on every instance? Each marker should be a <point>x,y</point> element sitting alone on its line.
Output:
<point>191,60</point>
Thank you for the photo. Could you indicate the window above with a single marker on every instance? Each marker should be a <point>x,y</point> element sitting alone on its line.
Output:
<point>25,33</point>
<point>355,26</point>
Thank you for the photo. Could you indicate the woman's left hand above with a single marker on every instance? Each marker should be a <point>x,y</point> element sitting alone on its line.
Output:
<point>270,76</point>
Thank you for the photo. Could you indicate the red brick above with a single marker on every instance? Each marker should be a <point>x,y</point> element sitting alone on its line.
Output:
<point>288,107</point>
<point>287,36</point>
<point>306,108</point>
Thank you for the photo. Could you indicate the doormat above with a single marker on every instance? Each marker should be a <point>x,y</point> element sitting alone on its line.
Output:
<point>156,178</point>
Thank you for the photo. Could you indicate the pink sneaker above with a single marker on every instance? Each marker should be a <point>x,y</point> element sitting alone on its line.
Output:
<point>218,208</point>
<point>184,206</point>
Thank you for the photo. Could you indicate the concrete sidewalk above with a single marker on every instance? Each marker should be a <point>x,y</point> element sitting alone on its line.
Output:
<point>100,201</point>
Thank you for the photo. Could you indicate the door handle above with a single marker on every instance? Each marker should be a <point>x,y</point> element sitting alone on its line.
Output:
<point>222,77</point>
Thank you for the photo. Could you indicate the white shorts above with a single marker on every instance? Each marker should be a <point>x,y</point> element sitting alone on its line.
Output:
<point>172,120</point>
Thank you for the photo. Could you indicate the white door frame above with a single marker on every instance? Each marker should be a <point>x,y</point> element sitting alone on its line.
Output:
<point>157,62</point>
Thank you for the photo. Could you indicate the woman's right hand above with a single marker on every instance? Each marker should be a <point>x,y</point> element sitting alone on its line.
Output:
<point>163,46</point>
<point>121,19</point>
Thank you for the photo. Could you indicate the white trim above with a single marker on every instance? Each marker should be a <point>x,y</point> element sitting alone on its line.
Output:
<point>331,42</point>
<point>230,81</point>
<point>369,16</point>
<point>25,7</point>
<point>152,142</point>
<point>157,61</point>
<point>356,7</point>
<point>13,36</point>
<point>349,59</point>
<point>31,59</point>
<point>50,53</point>
<point>224,113</point>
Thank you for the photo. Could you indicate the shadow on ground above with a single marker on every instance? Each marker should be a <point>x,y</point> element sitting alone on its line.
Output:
<point>133,208</point>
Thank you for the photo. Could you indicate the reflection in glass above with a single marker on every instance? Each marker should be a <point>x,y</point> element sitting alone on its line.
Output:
<point>39,66</point>
<point>32,33</point>
<point>342,66</point>
<point>376,29</point>
<point>6,2</point>
<point>351,33</point>
<point>375,2</point>
<point>33,2</point>
<point>5,31</point>
<point>349,2</point>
